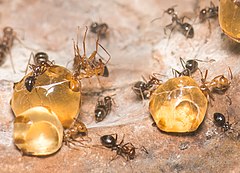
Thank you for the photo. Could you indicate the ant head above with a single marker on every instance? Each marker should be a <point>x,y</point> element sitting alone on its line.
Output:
<point>170,10</point>
<point>93,26</point>
<point>7,30</point>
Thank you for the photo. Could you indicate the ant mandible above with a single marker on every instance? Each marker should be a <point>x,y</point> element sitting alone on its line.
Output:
<point>41,63</point>
<point>127,151</point>
<point>103,108</point>
<point>144,89</point>
<point>85,67</point>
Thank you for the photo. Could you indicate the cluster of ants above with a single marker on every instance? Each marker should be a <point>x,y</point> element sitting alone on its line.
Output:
<point>219,84</point>
<point>86,67</point>
<point>185,28</point>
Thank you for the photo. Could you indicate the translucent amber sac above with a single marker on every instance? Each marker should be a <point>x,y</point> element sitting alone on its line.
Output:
<point>55,90</point>
<point>38,131</point>
<point>229,19</point>
<point>178,105</point>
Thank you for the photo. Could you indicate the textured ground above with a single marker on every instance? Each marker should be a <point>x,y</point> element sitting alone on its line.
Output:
<point>138,48</point>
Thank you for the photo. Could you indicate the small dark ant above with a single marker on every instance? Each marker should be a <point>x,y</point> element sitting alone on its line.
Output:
<point>75,131</point>
<point>190,66</point>
<point>220,121</point>
<point>209,12</point>
<point>6,44</point>
<point>103,108</point>
<point>41,63</point>
<point>127,151</point>
<point>99,28</point>
<point>185,28</point>
<point>144,89</point>
<point>218,84</point>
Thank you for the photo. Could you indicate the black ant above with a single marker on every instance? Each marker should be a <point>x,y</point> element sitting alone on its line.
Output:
<point>6,44</point>
<point>190,66</point>
<point>103,108</point>
<point>185,28</point>
<point>99,28</point>
<point>209,12</point>
<point>144,89</point>
<point>218,84</point>
<point>75,131</point>
<point>41,62</point>
<point>127,151</point>
<point>85,67</point>
<point>220,121</point>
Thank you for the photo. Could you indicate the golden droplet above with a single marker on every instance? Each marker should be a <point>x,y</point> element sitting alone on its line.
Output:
<point>51,90</point>
<point>38,131</point>
<point>229,17</point>
<point>178,105</point>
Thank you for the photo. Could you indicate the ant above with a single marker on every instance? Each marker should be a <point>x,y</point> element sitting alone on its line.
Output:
<point>85,67</point>
<point>185,28</point>
<point>6,44</point>
<point>103,108</point>
<point>127,151</point>
<point>190,66</point>
<point>209,12</point>
<point>41,62</point>
<point>218,84</point>
<point>76,130</point>
<point>99,28</point>
<point>144,89</point>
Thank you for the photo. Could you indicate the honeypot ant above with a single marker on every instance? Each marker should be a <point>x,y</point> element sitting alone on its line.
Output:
<point>127,150</point>
<point>209,12</point>
<point>144,89</point>
<point>218,84</point>
<point>74,132</point>
<point>6,44</point>
<point>85,67</point>
<point>99,28</point>
<point>41,62</point>
<point>103,108</point>
<point>185,28</point>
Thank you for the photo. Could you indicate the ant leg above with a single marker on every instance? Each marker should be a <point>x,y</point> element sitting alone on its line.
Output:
<point>84,40</point>
<point>106,53</point>
<point>230,72</point>
<point>183,63</point>
<point>10,54</point>
<point>122,140</point>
